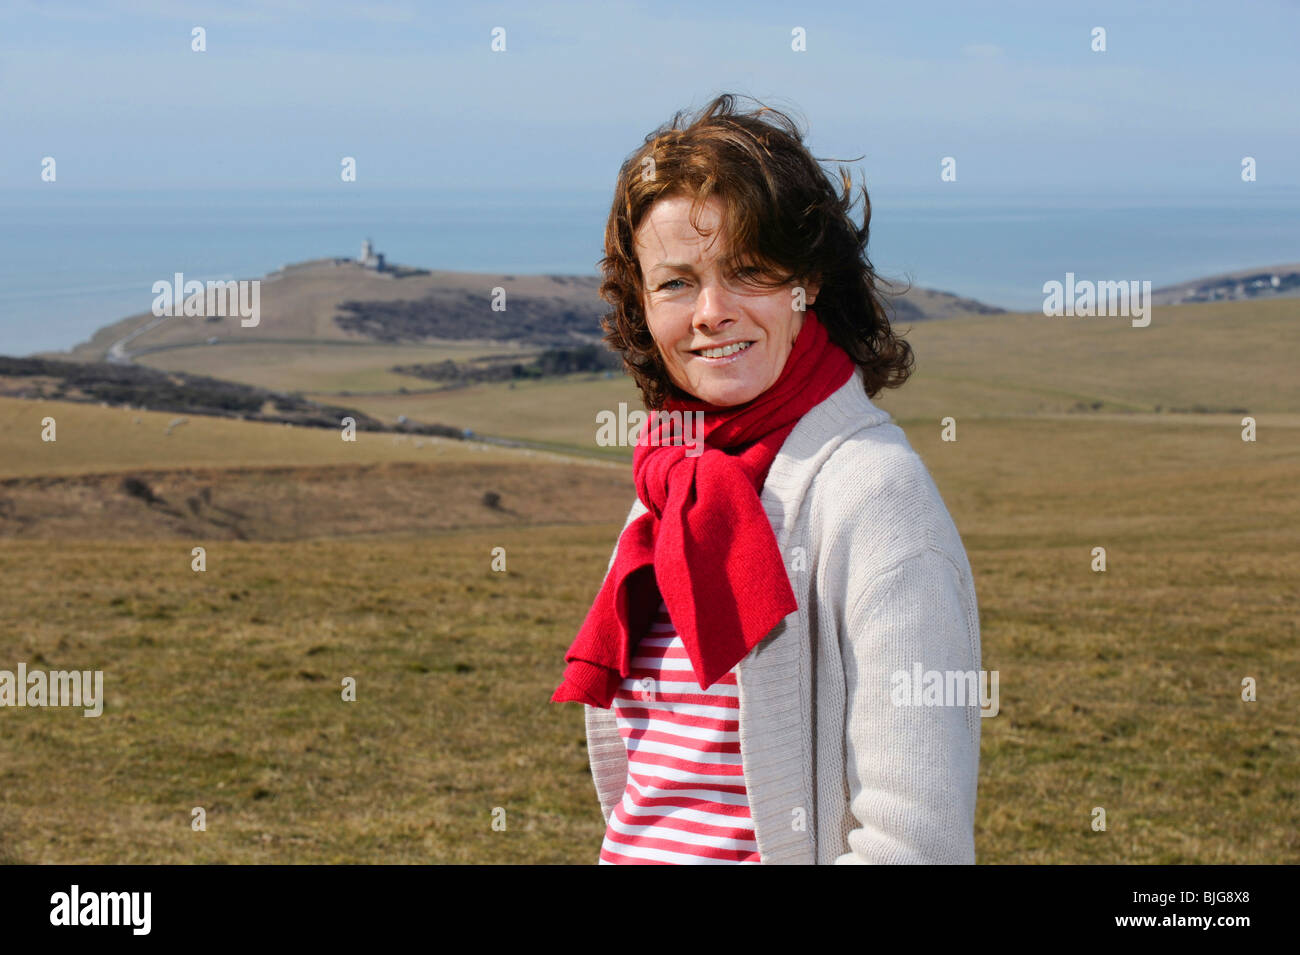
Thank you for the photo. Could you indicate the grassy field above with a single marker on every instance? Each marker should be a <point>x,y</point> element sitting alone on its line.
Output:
<point>92,438</point>
<point>556,411</point>
<point>1119,689</point>
<point>335,368</point>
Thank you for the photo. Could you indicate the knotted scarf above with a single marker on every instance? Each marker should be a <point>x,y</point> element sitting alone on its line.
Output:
<point>705,543</point>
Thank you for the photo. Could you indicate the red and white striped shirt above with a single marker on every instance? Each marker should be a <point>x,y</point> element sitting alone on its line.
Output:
<point>685,801</point>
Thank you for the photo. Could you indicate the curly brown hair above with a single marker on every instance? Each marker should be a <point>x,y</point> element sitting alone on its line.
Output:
<point>781,212</point>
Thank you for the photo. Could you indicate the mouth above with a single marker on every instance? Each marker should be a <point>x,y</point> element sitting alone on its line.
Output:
<point>722,353</point>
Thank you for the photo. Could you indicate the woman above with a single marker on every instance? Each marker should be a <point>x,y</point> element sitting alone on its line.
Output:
<point>740,664</point>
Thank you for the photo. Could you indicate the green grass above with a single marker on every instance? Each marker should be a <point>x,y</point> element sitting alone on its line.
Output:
<point>223,692</point>
<point>1119,690</point>
<point>333,367</point>
<point>95,438</point>
<point>556,411</point>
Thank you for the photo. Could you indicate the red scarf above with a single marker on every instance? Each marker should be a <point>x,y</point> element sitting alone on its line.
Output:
<point>706,541</point>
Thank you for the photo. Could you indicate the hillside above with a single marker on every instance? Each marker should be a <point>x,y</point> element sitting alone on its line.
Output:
<point>332,326</point>
<point>1275,281</point>
<point>129,386</point>
<point>991,364</point>
<point>376,560</point>
<point>1226,358</point>
<point>337,300</point>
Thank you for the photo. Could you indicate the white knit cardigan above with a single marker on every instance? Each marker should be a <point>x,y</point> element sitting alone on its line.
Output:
<point>835,771</point>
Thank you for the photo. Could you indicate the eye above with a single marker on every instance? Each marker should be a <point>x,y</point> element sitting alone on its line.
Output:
<point>667,284</point>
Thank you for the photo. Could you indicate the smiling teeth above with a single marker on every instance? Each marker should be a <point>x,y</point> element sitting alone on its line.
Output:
<point>725,350</point>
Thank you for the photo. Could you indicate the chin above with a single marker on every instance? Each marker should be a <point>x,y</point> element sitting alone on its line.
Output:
<point>727,396</point>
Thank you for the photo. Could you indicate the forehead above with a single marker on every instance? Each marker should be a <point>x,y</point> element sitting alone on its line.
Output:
<point>667,226</point>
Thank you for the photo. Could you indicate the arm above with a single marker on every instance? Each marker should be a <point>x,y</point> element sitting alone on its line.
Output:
<point>606,751</point>
<point>607,754</point>
<point>912,769</point>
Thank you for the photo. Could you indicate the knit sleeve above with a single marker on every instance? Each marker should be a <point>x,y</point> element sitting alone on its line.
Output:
<point>607,754</point>
<point>912,763</point>
<point>606,751</point>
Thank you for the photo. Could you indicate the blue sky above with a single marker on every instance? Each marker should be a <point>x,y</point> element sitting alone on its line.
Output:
<point>113,91</point>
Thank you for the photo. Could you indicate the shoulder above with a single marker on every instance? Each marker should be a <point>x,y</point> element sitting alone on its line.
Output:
<point>874,498</point>
<point>885,543</point>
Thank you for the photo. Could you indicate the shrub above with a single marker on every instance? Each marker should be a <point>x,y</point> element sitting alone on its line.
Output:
<point>138,488</point>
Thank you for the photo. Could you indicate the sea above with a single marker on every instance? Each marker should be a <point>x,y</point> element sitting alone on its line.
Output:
<point>73,260</point>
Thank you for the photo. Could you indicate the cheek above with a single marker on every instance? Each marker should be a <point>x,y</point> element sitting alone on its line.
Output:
<point>655,323</point>
<point>663,347</point>
<point>666,333</point>
<point>661,341</point>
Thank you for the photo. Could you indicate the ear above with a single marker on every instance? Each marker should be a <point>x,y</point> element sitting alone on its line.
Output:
<point>811,288</point>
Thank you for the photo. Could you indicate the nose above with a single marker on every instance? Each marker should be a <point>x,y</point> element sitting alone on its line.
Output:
<point>713,308</point>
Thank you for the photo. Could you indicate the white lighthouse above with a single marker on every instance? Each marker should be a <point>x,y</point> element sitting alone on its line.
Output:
<point>370,258</point>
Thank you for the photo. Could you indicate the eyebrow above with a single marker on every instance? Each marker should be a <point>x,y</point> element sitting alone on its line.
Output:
<point>673,267</point>
<point>680,266</point>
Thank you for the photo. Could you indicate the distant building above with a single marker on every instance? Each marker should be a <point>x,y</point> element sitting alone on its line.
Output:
<point>370,258</point>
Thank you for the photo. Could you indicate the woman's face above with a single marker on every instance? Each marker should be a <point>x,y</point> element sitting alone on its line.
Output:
<point>690,305</point>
